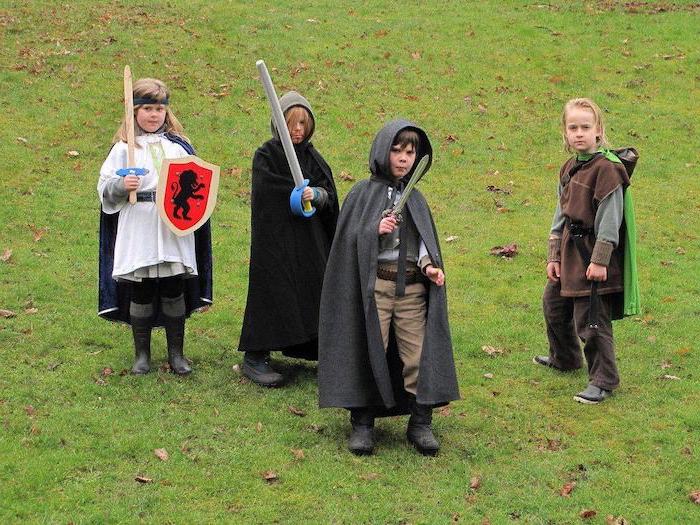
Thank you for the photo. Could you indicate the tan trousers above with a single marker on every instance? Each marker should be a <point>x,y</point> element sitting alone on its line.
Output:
<point>407,316</point>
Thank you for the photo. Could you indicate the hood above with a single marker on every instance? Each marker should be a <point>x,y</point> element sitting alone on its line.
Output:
<point>381,147</point>
<point>289,100</point>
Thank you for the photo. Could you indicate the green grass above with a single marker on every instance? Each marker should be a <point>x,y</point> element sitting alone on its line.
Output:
<point>487,80</point>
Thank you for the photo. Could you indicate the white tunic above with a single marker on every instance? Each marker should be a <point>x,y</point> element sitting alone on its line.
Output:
<point>145,247</point>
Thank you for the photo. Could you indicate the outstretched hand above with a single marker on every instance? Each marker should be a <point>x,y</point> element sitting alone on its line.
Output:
<point>436,275</point>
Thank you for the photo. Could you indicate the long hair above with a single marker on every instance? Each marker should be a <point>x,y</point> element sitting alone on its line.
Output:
<point>154,89</point>
<point>585,103</point>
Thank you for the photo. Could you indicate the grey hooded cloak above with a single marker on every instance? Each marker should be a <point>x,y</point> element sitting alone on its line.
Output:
<point>354,370</point>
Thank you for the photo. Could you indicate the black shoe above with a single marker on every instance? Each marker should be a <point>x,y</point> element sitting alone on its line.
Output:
<point>257,368</point>
<point>592,395</point>
<point>361,441</point>
<point>420,431</point>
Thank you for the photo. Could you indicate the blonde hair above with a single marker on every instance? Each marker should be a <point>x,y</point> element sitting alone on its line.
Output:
<point>154,89</point>
<point>585,103</point>
<point>297,113</point>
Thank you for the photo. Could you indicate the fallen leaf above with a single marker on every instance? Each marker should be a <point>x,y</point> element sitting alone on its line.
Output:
<point>73,153</point>
<point>444,411</point>
<point>298,453</point>
<point>38,232</point>
<point>588,513</point>
<point>612,520</point>
<point>161,454</point>
<point>22,140</point>
<point>683,351</point>
<point>6,255</point>
<point>369,476</point>
<point>236,368</point>
<point>270,476</point>
<point>143,479</point>
<point>53,367</point>
<point>318,429</point>
<point>666,365</point>
<point>451,238</point>
<point>673,378</point>
<point>567,489</point>
<point>492,350</point>
<point>510,250</point>
<point>482,108</point>
<point>30,410</point>
<point>346,176</point>
<point>488,375</point>
<point>35,430</point>
<point>695,497</point>
<point>496,189</point>
<point>107,371</point>
<point>258,427</point>
<point>556,79</point>
<point>234,172</point>
<point>296,411</point>
<point>687,451</point>
<point>415,55</point>
<point>680,251</point>
<point>475,483</point>
<point>31,311</point>
<point>7,314</point>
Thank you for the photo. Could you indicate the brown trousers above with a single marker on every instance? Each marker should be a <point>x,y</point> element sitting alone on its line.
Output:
<point>567,322</point>
<point>407,316</point>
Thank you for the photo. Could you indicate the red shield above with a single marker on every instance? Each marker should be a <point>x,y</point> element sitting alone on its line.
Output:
<point>186,196</point>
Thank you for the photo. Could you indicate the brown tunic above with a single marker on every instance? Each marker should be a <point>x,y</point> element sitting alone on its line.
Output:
<point>581,195</point>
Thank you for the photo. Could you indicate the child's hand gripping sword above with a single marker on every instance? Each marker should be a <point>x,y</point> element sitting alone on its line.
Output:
<point>300,208</point>
<point>129,121</point>
<point>396,210</point>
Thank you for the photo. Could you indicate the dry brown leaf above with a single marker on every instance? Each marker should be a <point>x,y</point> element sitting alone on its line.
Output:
<point>296,411</point>
<point>415,55</point>
<point>31,311</point>
<point>492,350</point>
<point>588,513</point>
<point>567,489</point>
<point>107,371</point>
<point>161,454</point>
<point>22,140</point>
<point>695,497</point>
<point>508,251</point>
<point>38,232</point>
<point>7,313</point>
<point>143,479</point>
<point>270,476</point>
<point>234,172</point>
<point>482,108</point>
<point>30,410</point>
<point>258,427</point>
<point>297,453</point>
<point>73,153</point>
<point>488,375</point>
<point>6,255</point>
<point>672,378</point>
<point>445,411</point>
<point>236,368</point>
<point>451,238</point>
<point>346,176</point>
<point>612,520</point>
<point>475,483</point>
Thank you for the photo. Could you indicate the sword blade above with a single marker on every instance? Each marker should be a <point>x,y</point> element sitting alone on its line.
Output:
<point>417,174</point>
<point>280,123</point>
<point>129,121</point>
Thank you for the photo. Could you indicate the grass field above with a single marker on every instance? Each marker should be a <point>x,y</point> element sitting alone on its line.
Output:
<point>487,80</point>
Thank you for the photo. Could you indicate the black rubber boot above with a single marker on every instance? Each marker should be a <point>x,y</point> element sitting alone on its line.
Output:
<point>420,431</point>
<point>175,333</point>
<point>361,441</point>
<point>141,328</point>
<point>256,367</point>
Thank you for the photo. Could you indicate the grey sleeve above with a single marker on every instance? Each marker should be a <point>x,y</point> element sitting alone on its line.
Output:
<point>320,199</point>
<point>608,217</point>
<point>558,220</point>
<point>113,190</point>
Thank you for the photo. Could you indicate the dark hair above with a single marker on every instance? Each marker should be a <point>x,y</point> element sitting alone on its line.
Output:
<point>406,137</point>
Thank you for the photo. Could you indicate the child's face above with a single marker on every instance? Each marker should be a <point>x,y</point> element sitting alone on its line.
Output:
<point>401,159</point>
<point>150,117</point>
<point>297,127</point>
<point>581,130</point>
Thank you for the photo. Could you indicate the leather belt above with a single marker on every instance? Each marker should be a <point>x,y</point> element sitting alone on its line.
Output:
<point>146,196</point>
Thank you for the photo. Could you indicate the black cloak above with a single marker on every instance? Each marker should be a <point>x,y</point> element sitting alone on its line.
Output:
<point>114,297</point>
<point>353,369</point>
<point>288,253</point>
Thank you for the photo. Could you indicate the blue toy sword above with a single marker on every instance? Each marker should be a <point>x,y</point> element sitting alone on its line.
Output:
<point>300,208</point>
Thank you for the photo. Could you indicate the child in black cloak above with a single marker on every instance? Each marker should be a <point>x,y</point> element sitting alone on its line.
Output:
<point>288,253</point>
<point>384,338</point>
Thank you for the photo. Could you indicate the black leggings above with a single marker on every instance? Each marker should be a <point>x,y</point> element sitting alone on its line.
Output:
<point>145,292</point>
